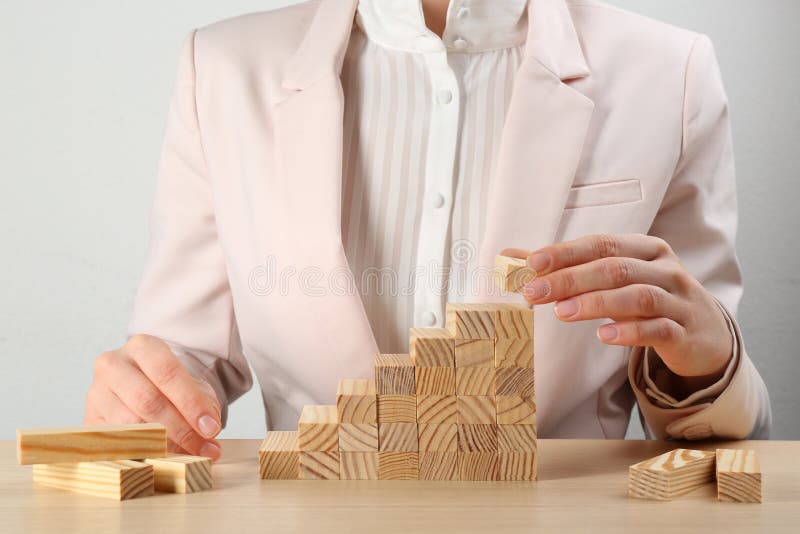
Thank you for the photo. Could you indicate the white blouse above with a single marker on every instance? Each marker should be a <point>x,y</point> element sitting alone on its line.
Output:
<point>422,123</point>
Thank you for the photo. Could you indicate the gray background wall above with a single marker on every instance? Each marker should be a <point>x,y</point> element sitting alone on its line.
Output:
<point>84,88</point>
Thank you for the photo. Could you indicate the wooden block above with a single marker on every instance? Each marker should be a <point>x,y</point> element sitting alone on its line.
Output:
<point>512,273</point>
<point>475,380</point>
<point>90,443</point>
<point>318,429</point>
<point>670,474</point>
<point>513,321</point>
<point>398,466</point>
<point>438,466</point>
<point>478,465</point>
<point>477,438</point>
<point>431,347</point>
<point>356,401</point>
<point>397,408</point>
<point>358,437</point>
<point>278,457</point>
<point>475,352</point>
<point>738,475</point>
<point>436,380</point>
<point>470,321</point>
<point>476,409</point>
<point>517,466</point>
<point>514,381</point>
<point>435,437</point>
<point>358,465</point>
<point>436,408</point>
<point>516,438</point>
<point>319,465</point>
<point>398,437</point>
<point>394,374</point>
<point>181,473</point>
<point>515,410</point>
<point>513,353</point>
<point>113,479</point>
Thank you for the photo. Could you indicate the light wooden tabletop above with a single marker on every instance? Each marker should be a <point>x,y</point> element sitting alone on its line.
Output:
<point>581,487</point>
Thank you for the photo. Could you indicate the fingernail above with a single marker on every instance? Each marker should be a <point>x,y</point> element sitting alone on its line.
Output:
<point>607,332</point>
<point>208,426</point>
<point>536,289</point>
<point>566,308</point>
<point>210,450</point>
<point>539,262</point>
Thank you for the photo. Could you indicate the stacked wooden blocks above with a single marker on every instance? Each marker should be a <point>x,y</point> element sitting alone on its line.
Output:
<point>460,406</point>
<point>120,462</point>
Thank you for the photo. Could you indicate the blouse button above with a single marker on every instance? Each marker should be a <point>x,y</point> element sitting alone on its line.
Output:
<point>438,201</point>
<point>463,12</point>
<point>460,43</point>
<point>429,318</point>
<point>444,96</point>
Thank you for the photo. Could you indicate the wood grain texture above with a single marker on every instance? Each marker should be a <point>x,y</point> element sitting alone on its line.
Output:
<point>431,347</point>
<point>477,438</point>
<point>475,380</point>
<point>738,475</point>
<point>516,438</point>
<point>356,401</point>
<point>318,429</point>
<point>514,381</point>
<point>397,408</point>
<point>474,352</point>
<point>358,465</point>
<point>181,473</point>
<point>438,466</point>
<point>436,380</point>
<point>470,321</point>
<point>513,321</point>
<point>671,474</point>
<point>90,443</point>
<point>398,466</point>
<point>476,409</point>
<point>358,437</point>
<point>394,374</point>
<point>435,437</point>
<point>478,465</point>
<point>517,466</point>
<point>436,408</point>
<point>398,437</point>
<point>513,353</point>
<point>113,479</point>
<point>278,456</point>
<point>515,410</point>
<point>511,274</point>
<point>319,465</point>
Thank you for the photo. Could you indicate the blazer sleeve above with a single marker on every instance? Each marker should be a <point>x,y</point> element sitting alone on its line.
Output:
<point>183,297</point>
<point>698,218</point>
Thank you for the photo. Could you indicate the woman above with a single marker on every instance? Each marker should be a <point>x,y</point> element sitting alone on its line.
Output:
<point>334,172</point>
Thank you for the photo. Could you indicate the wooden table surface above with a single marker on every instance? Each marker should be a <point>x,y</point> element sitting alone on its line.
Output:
<point>581,487</point>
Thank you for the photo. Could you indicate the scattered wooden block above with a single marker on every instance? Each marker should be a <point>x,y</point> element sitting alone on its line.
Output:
<point>514,381</point>
<point>516,438</point>
<point>475,352</point>
<point>738,475</point>
<point>470,321</point>
<point>90,443</point>
<point>398,466</point>
<point>436,380</point>
<point>431,347</point>
<point>438,437</point>
<point>670,474</point>
<point>513,321</point>
<point>438,466</point>
<point>476,409</point>
<point>477,438</point>
<point>318,429</point>
<point>356,401</point>
<point>394,374</point>
<point>478,465</point>
<point>517,466</point>
<point>113,479</point>
<point>398,437</point>
<point>475,380</point>
<point>358,465</point>
<point>278,457</point>
<point>358,437</point>
<point>397,408</point>
<point>512,273</point>
<point>181,473</point>
<point>511,352</point>
<point>515,410</point>
<point>436,408</point>
<point>319,465</point>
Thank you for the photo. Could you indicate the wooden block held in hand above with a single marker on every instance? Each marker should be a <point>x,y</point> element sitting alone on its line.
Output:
<point>478,465</point>
<point>431,347</point>
<point>181,473</point>
<point>437,437</point>
<point>514,381</point>
<point>438,466</point>
<point>398,437</point>
<point>516,438</point>
<point>470,321</point>
<point>358,465</point>
<point>513,321</point>
<point>91,443</point>
<point>398,466</point>
<point>113,479</point>
<point>358,437</point>
<point>513,353</point>
<point>278,457</point>
<point>477,438</point>
<point>476,409</point>
<point>397,408</point>
<point>356,401</point>
<point>517,466</point>
<point>475,380</point>
<point>436,380</point>
<point>670,474</point>
<point>436,408</point>
<point>319,465</point>
<point>515,410</point>
<point>738,475</point>
<point>394,374</point>
<point>475,352</point>
<point>512,273</point>
<point>318,429</point>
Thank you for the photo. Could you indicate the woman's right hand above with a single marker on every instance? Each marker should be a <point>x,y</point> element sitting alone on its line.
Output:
<point>144,382</point>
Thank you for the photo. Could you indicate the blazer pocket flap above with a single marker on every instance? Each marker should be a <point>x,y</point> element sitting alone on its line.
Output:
<point>604,193</point>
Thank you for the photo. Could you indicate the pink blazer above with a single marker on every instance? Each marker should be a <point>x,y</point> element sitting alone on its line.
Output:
<point>617,124</point>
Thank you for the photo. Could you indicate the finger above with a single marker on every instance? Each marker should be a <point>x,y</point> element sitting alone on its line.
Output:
<point>647,332</point>
<point>209,391</point>
<point>110,408</point>
<point>629,302</point>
